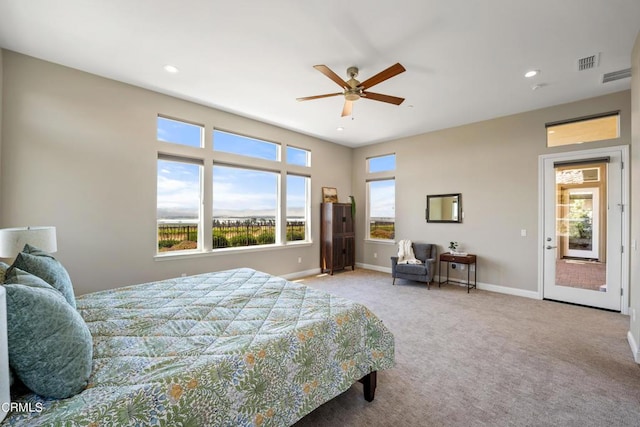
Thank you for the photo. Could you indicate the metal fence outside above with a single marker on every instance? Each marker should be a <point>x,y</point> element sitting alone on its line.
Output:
<point>173,236</point>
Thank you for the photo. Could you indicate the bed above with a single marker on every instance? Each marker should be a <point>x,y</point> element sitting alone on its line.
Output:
<point>231,348</point>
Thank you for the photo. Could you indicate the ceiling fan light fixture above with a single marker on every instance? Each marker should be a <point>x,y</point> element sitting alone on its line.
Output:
<point>351,96</point>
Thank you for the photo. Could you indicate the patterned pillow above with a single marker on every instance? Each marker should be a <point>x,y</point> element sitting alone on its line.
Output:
<point>3,270</point>
<point>50,346</point>
<point>41,264</point>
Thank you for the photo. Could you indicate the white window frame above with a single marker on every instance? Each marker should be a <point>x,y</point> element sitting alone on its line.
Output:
<point>386,175</point>
<point>207,156</point>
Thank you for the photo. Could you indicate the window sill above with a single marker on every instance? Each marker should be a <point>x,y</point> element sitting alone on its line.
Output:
<point>169,256</point>
<point>380,241</point>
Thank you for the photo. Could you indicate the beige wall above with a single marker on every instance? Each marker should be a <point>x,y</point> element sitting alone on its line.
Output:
<point>494,164</point>
<point>634,330</point>
<point>79,152</point>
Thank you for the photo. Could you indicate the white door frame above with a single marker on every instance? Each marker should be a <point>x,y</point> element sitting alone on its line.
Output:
<point>577,155</point>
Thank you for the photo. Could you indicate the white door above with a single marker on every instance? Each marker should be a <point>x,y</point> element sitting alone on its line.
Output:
<point>595,282</point>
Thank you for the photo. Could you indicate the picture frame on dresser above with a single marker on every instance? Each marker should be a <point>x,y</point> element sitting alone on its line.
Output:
<point>329,195</point>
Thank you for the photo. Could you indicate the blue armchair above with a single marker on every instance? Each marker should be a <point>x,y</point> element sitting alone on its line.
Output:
<point>425,252</point>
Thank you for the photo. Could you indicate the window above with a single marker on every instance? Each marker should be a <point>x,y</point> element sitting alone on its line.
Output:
<point>586,129</point>
<point>297,207</point>
<point>298,156</point>
<point>245,146</point>
<point>249,198</point>
<point>382,204</point>
<point>381,197</point>
<point>244,207</point>
<point>178,132</point>
<point>178,207</point>
<point>381,163</point>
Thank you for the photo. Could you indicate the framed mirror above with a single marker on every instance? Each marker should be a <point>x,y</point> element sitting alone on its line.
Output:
<point>444,208</point>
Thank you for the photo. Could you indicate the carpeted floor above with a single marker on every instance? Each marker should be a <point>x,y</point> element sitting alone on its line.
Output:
<point>487,359</point>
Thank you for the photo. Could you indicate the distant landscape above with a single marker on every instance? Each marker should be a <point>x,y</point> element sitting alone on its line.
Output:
<point>179,231</point>
<point>182,233</point>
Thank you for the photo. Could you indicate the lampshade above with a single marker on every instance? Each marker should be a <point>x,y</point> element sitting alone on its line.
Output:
<point>12,240</point>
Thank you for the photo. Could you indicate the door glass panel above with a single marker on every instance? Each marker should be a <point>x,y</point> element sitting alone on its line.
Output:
<point>581,226</point>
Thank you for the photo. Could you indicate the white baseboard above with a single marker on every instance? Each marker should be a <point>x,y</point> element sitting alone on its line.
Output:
<point>509,291</point>
<point>483,286</point>
<point>634,347</point>
<point>374,267</point>
<point>499,289</point>
<point>300,274</point>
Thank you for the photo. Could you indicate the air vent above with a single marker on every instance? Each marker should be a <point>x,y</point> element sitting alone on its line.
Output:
<point>588,62</point>
<point>616,75</point>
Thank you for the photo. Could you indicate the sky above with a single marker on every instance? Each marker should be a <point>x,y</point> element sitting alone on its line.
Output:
<point>382,193</point>
<point>236,191</point>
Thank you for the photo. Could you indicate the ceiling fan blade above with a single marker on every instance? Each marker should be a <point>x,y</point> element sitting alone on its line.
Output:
<point>346,110</point>
<point>394,70</point>
<point>308,98</point>
<point>333,76</point>
<point>384,98</point>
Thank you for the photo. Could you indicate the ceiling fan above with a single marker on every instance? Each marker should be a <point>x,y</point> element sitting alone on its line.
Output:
<point>354,90</point>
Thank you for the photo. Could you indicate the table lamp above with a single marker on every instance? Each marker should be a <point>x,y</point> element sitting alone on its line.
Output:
<point>12,240</point>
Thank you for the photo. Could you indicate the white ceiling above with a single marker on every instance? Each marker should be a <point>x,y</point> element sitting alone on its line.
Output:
<point>465,59</point>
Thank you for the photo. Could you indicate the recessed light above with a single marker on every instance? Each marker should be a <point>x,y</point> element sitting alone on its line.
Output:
<point>531,73</point>
<point>170,69</point>
<point>340,129</point>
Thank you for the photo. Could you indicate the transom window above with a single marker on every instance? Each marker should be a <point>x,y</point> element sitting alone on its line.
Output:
<point>178,132</point>
<point>298,156</point>
<point>381,163</point>
<point>245,146</point>
<point>587,129</point>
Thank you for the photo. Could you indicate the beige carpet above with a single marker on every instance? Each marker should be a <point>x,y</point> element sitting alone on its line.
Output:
<point>487,359</point>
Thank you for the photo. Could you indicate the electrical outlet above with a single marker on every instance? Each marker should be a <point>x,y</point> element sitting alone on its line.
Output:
<point>462,266</point>
<point>633,314</point>
<point>299,260</point>
<point>472,267</point>
<point>183,274</point>
<point>375,254</point>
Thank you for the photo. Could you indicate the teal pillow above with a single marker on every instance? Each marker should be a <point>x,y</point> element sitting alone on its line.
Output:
<point>42,264</point>
<point>50,346</point>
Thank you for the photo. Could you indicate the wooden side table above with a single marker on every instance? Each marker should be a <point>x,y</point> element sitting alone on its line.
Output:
<point>468,260</point>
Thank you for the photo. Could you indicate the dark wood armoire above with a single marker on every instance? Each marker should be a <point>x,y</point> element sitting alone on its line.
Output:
<point>337,234</point>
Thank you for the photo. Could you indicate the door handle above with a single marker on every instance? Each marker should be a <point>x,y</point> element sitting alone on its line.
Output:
<point>551,247</point>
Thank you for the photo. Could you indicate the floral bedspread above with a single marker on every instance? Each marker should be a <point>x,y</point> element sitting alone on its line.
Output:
<point>230,348</point>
